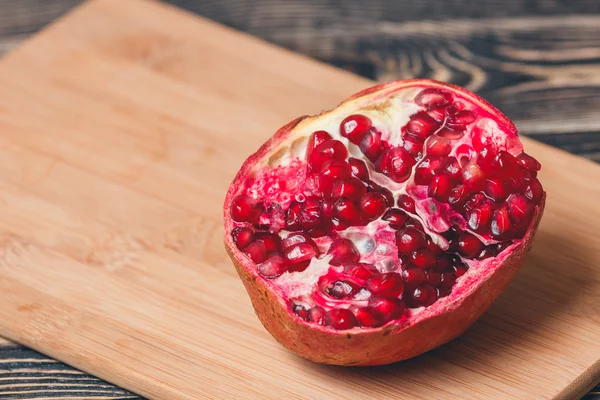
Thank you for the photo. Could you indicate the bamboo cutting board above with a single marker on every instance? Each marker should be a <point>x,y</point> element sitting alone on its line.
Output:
<point>121,127</point>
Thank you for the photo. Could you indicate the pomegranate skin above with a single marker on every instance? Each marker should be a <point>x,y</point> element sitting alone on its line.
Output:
<point>395,341</point>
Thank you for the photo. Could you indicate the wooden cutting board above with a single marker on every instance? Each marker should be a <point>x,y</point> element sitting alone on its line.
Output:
<point>121,127</point>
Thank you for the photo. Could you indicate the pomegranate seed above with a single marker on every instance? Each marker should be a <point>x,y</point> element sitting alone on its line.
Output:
<point>530,163</point>
<point>534,191</point>
<point>443,261</point>
<point>340,319</point>
<point>443,292</point>
<point>519,179</point>
<point>389,285</point>
<point>242,237</point>
<point>300,310</point>
<point>519,209</point>
<point>395,217</point>
<point>333,170</point>
<point>429,167</point>
<point>369,317</point>
<point>327,208</point>
<point>328,150</point>
<point>359,168</point>
<point>341,289</point>
<point>245,209</point>
<point>343,251</point>
<point>355,127</point>
<point>457,196</point>
<point>371,145</point>
<point>472,201</point>
<point>451,133</point>
<point>413,276</point>
<point>453,169</point>
<point>505,161</point>
<point>272,242</point>
<point>501,226</point>
<point>460,270</point>
<point>351,187</point>
<point>372,205</point>
<point>439,114</point>
<point>468,245</point>
<point>447,279</point>
<point>473,177</point>
<point>422,258</point>
<point>273,267</point>
<point>346,210</point>
<point>406,203</point>
<point>360,270</point>
<point>486,158</point>
<point>316,139</point>
<point>386,193</point>
<point>339,225</point>
<point>291,219</point>
<point>310,215</point>
<point>257,252</point>
<point>319,232</point>
<point>413,147</point>
<point>399,164</point>
<point>480,217</point>
<point>388,308</point>
<point>433,277</point>
<point>424,295</point>
<point>496,190</point>
<point>300,252</point>
<point>316,315</point>
<point>461,119</point>
<point>440,188</point>
<point>437,146</point>
<point>421,126</point>
<point>295,238</point>
<point>432,98</point>
<point>409,239</point>
<point>488,252</point>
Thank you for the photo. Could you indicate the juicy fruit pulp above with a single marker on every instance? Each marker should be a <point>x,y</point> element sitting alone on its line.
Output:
<point>387,213</point>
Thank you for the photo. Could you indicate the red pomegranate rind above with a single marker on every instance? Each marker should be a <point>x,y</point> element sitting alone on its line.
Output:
<point>461,293</point>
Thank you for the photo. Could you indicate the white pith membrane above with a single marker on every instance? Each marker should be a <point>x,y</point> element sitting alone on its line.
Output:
<point>278,175</point>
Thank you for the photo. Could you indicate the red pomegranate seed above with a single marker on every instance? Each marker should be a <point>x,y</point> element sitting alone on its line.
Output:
<point>316,315</point>
<point>453,169</point>
<point>341,289</point>
<point>443,292</point>
<point>319,231</point>
<point>534,191</point>
<point>399,164</point>
<point>355,127</point>
<point>333,170</point>
<point>409,239</point>
<point>496,189</point>
<point>501,226</point>
<point>257,252</point>
<point>473,177</point>
<point>359,168</point>
<point>346,210</point>
<point>519,208</point>
<point>406,203</point>
<point>343,251</point>
<point>421,126</point>
<point>461,119</point>
<point>395,217</point>
<point>273,267</point>
<point>300,252</point>
<point>429,167</point>
<point>530,163</point>
<point>473,200</point>
<point>457,196</point>
<point>339,225</point>
<point>389,308</point>
<point>447,279</point>
<point>371,145</point>
<point>460,270</point>
<point>422,296</point>
<point>388,285</point>
<point>422,258</point>
<point>295,238</point>
<point>413,147</point>
<point>386,193</point>
<point>433,277</point>
<point>292,214</point>
<point>340,319</point>
<point>469,246</point>
<point>272,242</point>
<point>450,133</point>
<point>372,205</point>
<point>360,270</point>
<point>439,114</point>
<point>352,188</point>
<point>413,276</point>
<point>440,188</point>
<point>443,261</point>
<point>480,217</point>
<point>485,159</point>
<point>328,150</point>
<point>245,209</point>
<point>327,208</point>
<point>310,215</point>
<point>505,161</point>
<point>316,139</point>
<point>519,179</point>
<point>432,98</point>
<point>242,237</point>
<point>300,310</point>
<point>369,317</point>
<point>437,146</point>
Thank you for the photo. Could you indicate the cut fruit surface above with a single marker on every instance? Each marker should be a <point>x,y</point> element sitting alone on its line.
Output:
<point>385,227</point>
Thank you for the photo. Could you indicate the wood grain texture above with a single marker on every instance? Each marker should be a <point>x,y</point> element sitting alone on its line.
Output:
<point>146,51</point>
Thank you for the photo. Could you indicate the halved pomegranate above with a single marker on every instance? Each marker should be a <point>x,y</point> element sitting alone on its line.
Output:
<point>381,229</point>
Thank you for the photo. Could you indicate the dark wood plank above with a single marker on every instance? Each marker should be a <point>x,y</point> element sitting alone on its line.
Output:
<point>538,61</point>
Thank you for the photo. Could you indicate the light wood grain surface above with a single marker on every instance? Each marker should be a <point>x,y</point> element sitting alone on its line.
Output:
<point>132,111</point>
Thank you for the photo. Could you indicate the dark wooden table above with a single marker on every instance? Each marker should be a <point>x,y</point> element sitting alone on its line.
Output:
<point>537,60</point>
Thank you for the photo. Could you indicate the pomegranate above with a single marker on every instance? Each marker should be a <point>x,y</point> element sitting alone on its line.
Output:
<point>384,228</point>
